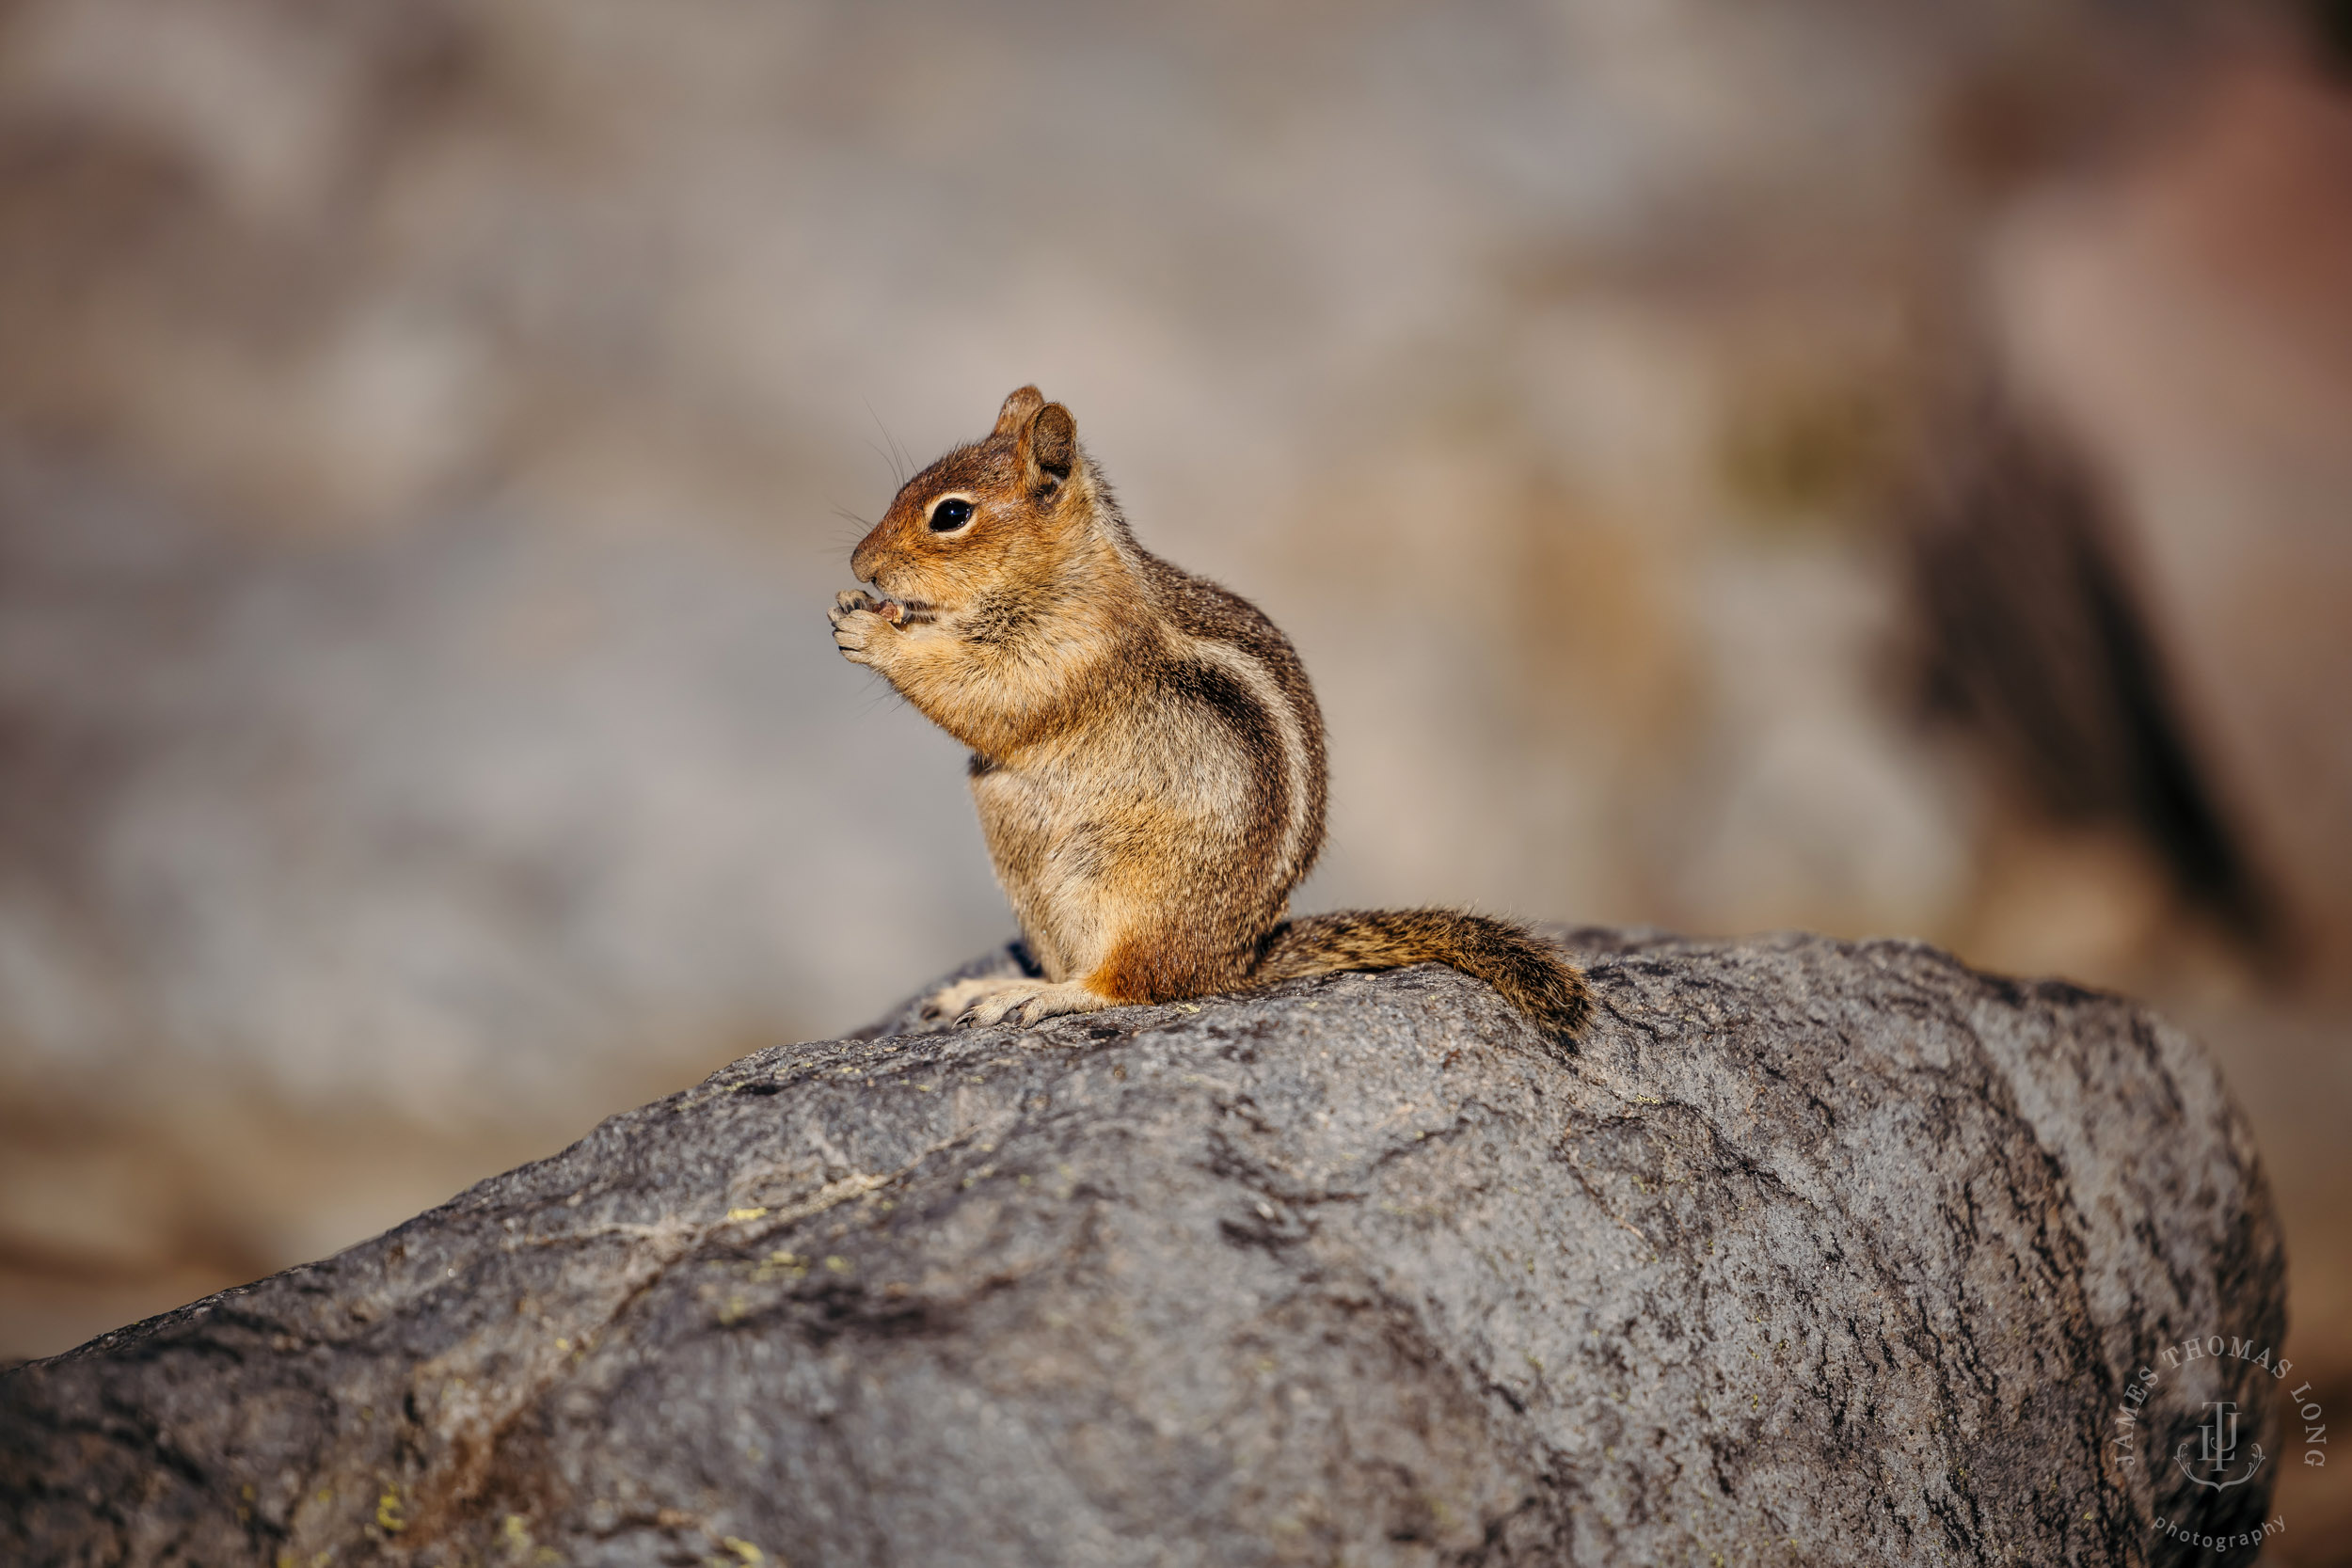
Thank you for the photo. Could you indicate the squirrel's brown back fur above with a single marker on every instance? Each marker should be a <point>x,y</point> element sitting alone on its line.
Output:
<point>1146,754</point>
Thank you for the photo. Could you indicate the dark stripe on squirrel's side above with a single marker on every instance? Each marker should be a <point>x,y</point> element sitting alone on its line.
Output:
<point>1528,970</point>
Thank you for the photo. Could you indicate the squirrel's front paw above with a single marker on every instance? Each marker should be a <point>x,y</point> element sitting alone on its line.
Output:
<point>858,626</point>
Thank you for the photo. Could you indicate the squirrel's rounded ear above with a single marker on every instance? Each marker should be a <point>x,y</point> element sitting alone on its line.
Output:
<point>1018,409</point>
<point>1049,446</point>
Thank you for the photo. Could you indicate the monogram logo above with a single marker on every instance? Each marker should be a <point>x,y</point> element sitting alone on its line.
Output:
<point>2217,1450</point>
<point>2220,1452</point>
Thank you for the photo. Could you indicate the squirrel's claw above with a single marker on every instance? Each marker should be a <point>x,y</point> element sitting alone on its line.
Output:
<point>961,1001</point>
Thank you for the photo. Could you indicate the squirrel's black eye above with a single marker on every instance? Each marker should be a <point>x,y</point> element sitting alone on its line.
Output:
<point>949,516</point>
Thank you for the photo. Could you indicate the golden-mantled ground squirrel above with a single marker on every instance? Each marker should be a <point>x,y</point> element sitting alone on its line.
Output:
<point>1146,752</point>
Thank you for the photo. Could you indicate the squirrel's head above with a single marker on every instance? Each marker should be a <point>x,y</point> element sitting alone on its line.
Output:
<point>1001,520</point>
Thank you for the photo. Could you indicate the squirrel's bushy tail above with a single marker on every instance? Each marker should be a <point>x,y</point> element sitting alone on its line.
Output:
<point>1527,969</point>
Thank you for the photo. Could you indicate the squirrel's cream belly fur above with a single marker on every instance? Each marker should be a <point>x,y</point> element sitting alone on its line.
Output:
<point>1146,754</point>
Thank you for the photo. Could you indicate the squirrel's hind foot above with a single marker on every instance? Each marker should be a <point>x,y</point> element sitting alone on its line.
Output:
<point>1015,999</point>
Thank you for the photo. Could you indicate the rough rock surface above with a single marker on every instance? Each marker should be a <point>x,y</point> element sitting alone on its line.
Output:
<point>1813,1253</point>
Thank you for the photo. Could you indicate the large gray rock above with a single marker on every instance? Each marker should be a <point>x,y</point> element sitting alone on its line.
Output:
<point>1813,1253</point>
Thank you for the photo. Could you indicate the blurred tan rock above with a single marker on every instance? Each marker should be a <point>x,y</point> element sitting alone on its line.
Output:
<point>2191,321</point>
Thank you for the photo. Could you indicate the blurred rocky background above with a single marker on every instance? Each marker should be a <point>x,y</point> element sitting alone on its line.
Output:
<point>1885,468</point>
